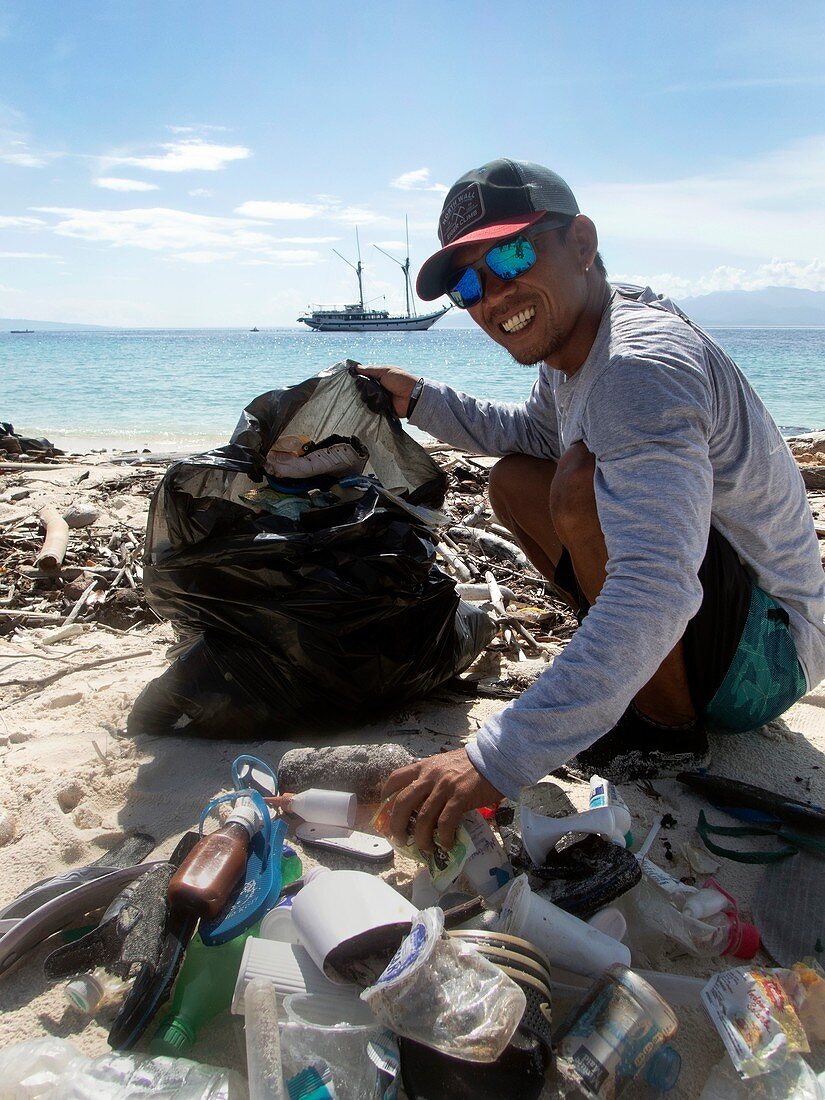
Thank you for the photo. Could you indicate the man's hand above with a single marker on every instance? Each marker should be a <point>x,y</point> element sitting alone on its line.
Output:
<point>397,382</point>
<point>442,789</point>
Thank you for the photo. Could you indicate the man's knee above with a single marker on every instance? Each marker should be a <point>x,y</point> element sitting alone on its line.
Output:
<point>572,495</point>
<point>519,482</point>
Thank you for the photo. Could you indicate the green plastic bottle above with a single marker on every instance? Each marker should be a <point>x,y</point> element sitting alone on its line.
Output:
<point>206,981</point>
<point>204,988</point>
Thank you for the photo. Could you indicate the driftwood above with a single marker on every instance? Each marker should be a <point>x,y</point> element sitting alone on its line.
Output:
<point>56,541</point>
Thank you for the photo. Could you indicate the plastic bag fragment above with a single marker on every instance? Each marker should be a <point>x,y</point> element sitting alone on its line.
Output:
<point>444,993</point>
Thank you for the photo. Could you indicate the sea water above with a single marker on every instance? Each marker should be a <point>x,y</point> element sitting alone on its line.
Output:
<point>185,388</point>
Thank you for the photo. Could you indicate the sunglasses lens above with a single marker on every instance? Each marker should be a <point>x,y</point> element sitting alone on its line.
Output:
<point>464,288</point>
<point>508,261</point>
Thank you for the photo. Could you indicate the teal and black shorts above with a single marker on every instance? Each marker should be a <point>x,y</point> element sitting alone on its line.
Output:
<point>741,659</point>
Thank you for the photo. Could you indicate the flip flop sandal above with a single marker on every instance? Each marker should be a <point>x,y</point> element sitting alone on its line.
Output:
<point>260,886</point>
<point>250,772</point>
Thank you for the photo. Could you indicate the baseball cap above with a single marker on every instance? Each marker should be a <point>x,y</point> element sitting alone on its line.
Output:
<point>497,200</point>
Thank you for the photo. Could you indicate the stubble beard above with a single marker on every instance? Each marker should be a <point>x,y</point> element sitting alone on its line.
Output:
<point>531,356</point>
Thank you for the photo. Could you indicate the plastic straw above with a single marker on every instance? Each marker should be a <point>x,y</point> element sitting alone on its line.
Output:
<point>263,1042</point>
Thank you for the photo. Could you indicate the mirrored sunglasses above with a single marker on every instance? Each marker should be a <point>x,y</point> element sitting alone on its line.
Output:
<point>507,261</point>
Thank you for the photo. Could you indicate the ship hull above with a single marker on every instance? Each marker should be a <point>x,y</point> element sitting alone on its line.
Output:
<point>377,324</point>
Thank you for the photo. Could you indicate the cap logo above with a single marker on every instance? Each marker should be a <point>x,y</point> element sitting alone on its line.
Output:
<point>463,211</point>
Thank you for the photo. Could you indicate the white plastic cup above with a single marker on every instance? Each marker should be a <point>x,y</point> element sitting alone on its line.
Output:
<point>279,925</point>
<point>340,906</point>
<point>566,941</point>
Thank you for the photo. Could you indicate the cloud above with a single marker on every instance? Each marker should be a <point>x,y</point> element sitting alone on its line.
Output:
<point>201,193</point>
<point>327,208</point>
<point>190,155</point>
<point>776,272</point>
<point>155,228</point>
<point>22,222</point>
<point>280,211</point>
<point>24,160</point>
<point>202,128</point>
<point>735,84</point>
<point>270,257</point>
<point>29,256</point>
<point>115,183</point>
<point>307,240</point>
<point>417,180</point>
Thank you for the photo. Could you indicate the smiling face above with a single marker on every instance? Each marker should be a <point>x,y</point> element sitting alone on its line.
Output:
<point>551,312</point>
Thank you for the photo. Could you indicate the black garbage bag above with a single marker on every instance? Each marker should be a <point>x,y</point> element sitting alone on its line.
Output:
<point>295,629</point>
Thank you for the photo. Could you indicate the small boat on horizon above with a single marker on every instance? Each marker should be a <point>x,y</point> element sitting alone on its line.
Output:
<point>20,331</point>
<point>358,318</point>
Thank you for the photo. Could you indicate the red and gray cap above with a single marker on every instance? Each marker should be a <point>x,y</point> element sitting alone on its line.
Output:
<point>497,200</point>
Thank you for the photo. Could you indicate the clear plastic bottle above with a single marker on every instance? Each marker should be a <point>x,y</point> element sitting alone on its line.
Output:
<point>203,882</point>
<point>655,914</point>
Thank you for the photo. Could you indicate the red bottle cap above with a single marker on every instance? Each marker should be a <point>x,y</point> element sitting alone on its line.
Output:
<point>744,940</point>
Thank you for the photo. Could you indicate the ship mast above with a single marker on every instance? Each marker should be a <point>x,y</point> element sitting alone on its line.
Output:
<point>405,267</point>
<point>357,269</point>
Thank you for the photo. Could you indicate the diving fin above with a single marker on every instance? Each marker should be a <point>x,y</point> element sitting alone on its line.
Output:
<point>153,984</point>
<point>131,930</point>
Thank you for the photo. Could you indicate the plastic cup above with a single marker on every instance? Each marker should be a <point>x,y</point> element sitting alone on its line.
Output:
<point>609,1041</point>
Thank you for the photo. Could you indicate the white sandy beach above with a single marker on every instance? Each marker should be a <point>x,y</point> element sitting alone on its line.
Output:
<point>73,782</point>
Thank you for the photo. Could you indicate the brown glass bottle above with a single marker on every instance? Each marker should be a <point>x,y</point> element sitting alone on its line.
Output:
<point>204,881</point>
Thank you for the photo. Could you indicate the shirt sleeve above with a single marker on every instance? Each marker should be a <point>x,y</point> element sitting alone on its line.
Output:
<point>491,427</point>
<point>648,424</point>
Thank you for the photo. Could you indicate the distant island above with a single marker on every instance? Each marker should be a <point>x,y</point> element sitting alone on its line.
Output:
<point>24,324</point>
<point>775,305</point>
<point>781,306</point>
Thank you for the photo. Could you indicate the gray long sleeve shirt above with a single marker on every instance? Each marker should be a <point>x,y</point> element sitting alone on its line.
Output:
<point>681,442</point>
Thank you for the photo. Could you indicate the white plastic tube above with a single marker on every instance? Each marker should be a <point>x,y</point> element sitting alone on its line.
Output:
<point>566,941</point>
<point>263,1043</point>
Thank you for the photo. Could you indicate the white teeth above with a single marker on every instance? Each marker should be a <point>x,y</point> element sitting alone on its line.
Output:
<point>519,321</point>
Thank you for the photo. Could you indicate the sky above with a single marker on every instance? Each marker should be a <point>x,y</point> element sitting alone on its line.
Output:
<point>196,163</point>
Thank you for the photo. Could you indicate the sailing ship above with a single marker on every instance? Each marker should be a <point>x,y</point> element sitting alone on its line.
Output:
<point>358,318</point>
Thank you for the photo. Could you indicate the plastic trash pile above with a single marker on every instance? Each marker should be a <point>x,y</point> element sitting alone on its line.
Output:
<point>350,990</point>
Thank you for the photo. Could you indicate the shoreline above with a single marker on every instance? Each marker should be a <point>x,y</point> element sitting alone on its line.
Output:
<point>93,442</point>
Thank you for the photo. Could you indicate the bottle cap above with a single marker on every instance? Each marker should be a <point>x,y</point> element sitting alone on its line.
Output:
<point>176,1037</point>
<point>744,940</point>
<point>664,1068</point>
<point>246,813</point>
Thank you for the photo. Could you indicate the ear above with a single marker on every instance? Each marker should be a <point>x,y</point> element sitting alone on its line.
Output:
<point>584,238</point>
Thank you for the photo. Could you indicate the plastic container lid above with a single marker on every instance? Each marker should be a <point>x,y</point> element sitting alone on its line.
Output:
<point>85,991</point>
<point>664,1068</point>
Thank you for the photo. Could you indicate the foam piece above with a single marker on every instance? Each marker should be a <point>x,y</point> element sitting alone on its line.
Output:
<point>359,769</point>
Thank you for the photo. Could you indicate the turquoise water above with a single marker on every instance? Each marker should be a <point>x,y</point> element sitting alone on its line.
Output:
<point>186,387</point>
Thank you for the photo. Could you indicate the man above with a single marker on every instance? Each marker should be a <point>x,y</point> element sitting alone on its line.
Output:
<point>644,477</point>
